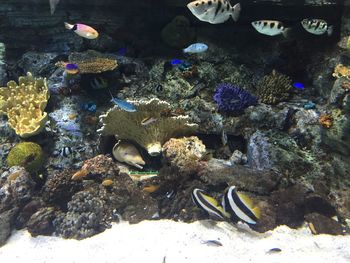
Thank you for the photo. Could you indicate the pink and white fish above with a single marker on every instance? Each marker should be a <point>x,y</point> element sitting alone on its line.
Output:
<point>82,30</point>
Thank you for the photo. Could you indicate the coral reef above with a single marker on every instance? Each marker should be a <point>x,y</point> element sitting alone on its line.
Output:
<point>178,33</point>
<point>152,136</point>
<point>24,105</point>
<point>127,153</point>
<point>326,120</point>
<point>274,88</point>
<point>91,62</point>
<point>184,153</point>
<point>341,71</point>
<point>233,99</point>
<point>28,155</point>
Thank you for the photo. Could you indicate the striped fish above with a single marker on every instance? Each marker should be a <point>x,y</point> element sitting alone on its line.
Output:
<point>65,151</point>
<point>240,205</point>
<point>208,204</point>
<point>269,27</point>
<point>317,26</point>
<point>214,11</point>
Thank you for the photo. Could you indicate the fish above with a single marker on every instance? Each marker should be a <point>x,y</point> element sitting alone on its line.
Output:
<point>298,85</point>
<point>53,4</point>
<point>99,83</point>
<point>82,30</point>
<point>317,26</point>
<point>241,206</point>
<point>214,11</point>
<point>196,48</point>
<point>224,138</point>
<point>124,105</point>
<point>213,243</point>
<point>71,68</point>
<point>148,121</point>
<point>208,204</point>
<point>274,250</point>
<point>65,151</point>
<point>80,174</point>
<point>107,182</point>
<point>175,62</point>
<point>269,27</point>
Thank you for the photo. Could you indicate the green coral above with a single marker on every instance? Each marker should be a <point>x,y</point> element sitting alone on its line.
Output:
<point>28,155</point>
<point>274,88</point>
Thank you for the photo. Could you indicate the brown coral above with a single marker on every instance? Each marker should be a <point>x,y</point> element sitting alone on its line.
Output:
<point>184,153</point>
<point>91,62</point>
<point>326,120</point>
<point>274,88</point>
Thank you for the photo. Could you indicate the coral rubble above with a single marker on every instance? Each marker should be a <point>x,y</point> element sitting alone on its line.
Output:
<point>24,104</point>
<point>128,125</point>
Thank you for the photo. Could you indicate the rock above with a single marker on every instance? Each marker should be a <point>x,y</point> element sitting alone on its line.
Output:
<point>323,225</point>
<point>40,223</point>
<point>338,92</point>
<point>178,33</point>
<point>39,64</point>
<point>259,156</point>
<point>6,222</point>
<point>27,211</point>
<point>3,74</point>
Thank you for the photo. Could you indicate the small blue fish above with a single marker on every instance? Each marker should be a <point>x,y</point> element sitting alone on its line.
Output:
<point>176,62</point>
<point>196,48</point>
<point>310,105</point>
<point>298,85</point>
<point>123,104</point>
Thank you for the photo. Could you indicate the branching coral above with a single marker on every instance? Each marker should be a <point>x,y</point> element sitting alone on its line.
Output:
<point>130,126</point>
<point>24,104</point>
<point>274,88</point>
<point>91,62</point>
<point>233,99</point>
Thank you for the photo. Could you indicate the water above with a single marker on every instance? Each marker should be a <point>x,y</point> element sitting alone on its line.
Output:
<point>289,162</point>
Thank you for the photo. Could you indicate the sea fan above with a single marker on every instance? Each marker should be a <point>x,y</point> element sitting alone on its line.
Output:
<point>233,99</point>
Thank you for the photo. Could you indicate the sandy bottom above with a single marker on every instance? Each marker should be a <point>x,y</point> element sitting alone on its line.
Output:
<point>174,242</point>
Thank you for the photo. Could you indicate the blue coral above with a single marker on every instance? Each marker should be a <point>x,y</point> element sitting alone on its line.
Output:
<point>233,99</point>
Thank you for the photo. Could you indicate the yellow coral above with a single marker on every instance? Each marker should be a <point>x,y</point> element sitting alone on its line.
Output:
<point>128,125</point>
<point>24,104</point>
<point>91,62</point>
<point>341,71</point>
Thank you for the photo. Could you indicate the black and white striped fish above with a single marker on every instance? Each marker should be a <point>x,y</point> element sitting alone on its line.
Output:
<point>269,27</point>
<point>240,205</point>
<point>208,204</point>
<point>317,26</point>
<point>214,11</point>
<point>65,151</point>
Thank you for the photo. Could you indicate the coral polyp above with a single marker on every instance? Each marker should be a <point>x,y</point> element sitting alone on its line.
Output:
<point>233,99</point>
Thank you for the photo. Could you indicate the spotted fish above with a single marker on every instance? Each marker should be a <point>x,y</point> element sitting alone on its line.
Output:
<point>269,27</point>
<point>317,26</point>
<point>214,11</point>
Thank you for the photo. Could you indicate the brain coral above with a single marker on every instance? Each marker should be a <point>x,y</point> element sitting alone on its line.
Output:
<point>24,104</point>
<point>274,88</point>
<point>233,99</point>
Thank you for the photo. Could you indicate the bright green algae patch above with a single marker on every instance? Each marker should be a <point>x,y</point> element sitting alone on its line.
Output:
<point>28,155</point>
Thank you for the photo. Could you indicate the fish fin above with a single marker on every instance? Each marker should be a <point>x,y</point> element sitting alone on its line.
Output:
<point>68,26</point>
<point>236,10</point>
<point>247,201</point>
<point>256,212</point>
<point>286,32</point>
<point>330,30</point>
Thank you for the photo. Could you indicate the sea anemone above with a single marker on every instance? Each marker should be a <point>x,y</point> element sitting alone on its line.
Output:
<point>233,99</point>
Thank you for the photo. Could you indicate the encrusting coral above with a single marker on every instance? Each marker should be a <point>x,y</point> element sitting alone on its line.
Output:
<point>184,153</point>
<point>91,62</point>
<point>274,88</point>
<point>24,104</point>
<point>129,125</point>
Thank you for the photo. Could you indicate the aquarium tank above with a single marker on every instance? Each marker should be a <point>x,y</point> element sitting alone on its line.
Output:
<point>174,131</point>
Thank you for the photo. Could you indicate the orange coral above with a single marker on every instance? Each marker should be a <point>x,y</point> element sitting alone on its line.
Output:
<point>326,120</point>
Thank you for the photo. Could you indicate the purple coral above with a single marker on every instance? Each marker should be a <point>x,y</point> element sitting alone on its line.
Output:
<point>233,99</point>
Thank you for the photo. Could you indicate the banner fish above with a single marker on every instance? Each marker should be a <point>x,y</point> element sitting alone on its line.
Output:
<point>82,30</point>
<point>53,4</point>
<point>317,26</point>
<point>214,11</point>
<point>269,27</point>
<point>240,205</point>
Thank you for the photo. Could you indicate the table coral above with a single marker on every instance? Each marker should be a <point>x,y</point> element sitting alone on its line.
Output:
<point>274,88</point>
<point>24,104</point>
<point>127,125</point>
<point>91,62</point>
<point>341,71</point>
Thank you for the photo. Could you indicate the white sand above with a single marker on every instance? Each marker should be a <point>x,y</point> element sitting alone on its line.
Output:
<point>151,241</point>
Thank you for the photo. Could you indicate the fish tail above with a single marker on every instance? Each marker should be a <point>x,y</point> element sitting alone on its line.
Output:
<point>236,10</point>
<point>68,26</point>
<point>330,30</point>
<point>286,32</point>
